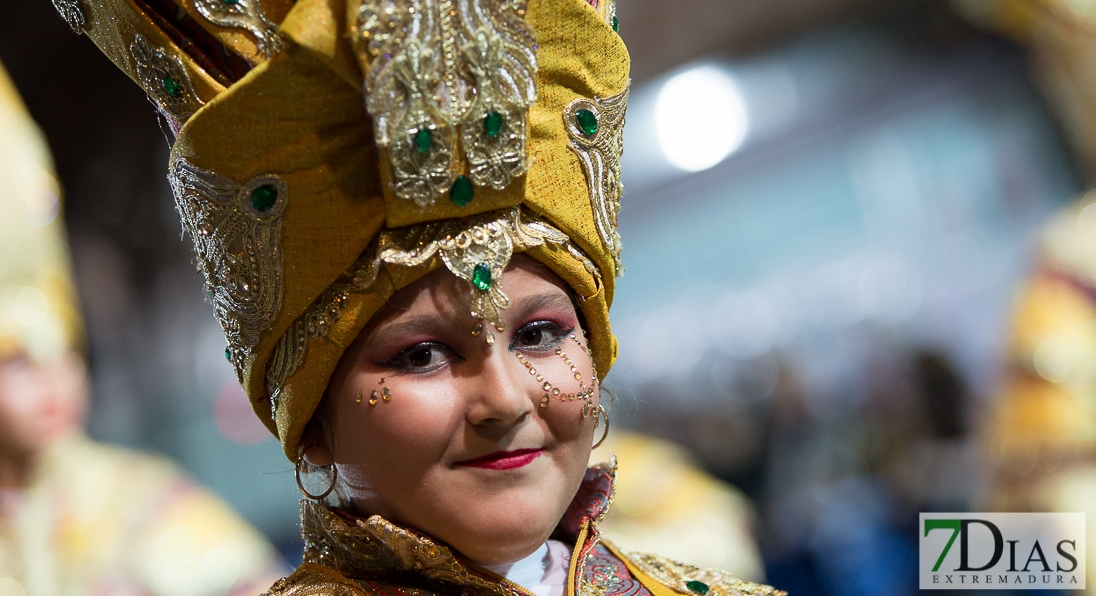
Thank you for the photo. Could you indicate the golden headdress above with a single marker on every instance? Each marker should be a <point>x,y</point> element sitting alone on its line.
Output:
<point>39,314</point>
<point>330,152</point>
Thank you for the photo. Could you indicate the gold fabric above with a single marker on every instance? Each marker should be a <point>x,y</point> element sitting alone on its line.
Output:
<point>97,519</point>
<point>295,127</point>
<point>39,314</point>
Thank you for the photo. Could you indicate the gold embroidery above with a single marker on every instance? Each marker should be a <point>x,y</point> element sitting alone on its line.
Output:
<point>236,231</point>
<point>677,575</point>
<point>376,547</point>
<point>72,13</point>
<point>247,15</point>
<point>430,66</point>
<point>484,241</point>
<point>599,153</point>
<point>164,78</point>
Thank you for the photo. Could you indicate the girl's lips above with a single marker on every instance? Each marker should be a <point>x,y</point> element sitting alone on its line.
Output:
<point>504,460</point>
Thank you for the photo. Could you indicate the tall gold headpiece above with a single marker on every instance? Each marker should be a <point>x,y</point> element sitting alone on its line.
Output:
<point>39,315</point>
<point>330,152</point>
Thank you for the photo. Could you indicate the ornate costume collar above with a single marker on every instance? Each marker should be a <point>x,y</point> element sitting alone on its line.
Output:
<point>376,549</point>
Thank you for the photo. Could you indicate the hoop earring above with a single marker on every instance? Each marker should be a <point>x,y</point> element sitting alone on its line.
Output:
<point>300,485</point>
<point>598,415</point>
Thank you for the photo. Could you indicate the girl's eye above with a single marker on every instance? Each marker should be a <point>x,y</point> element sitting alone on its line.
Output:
<point>421,357</point>
<point>539,334</point>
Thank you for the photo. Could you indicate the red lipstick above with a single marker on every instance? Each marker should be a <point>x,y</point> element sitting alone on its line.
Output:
<point>504,460</point>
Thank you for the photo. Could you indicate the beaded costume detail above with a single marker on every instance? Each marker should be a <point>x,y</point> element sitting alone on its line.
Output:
<point>236,231</point>
<point>432,67</point>
<point>247,15</point>
<point>72,13</point>
<point>164,78</point>
<point>596,129</point>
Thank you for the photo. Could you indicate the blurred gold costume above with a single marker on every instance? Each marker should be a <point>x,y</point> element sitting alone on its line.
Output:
<point>98,519</point>
<point>332,152</point>
<point>666,504</point>
<point>1041,434</point>
<point>92,518</point>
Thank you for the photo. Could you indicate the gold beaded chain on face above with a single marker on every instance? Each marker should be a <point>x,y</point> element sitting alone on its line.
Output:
<point>375,396</point>
<point>550,391</point>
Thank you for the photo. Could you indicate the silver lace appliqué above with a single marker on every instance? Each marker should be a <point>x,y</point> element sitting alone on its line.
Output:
<point>72,13</point>
<point>164,78</point>
<point>599,155</point>
<point>247,15</point>
<point>488,240</point>
<point>434,66</point>
<point>236,230</point>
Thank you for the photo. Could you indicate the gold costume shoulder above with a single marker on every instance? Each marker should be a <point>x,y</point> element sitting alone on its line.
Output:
<point>656,572</point>
<point>311,579</point>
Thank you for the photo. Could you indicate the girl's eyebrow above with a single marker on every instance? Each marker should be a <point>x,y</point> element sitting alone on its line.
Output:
<point>408,326</point>
<point>545,301</point>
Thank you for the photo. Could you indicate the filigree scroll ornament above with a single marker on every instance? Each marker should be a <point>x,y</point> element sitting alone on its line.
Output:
<point>236,230</point>
<point>485,243</point>
<point>72,13</point>
<point>165,80</point>
<point>473,63</point>
<point>247,15</point>
<point>599,148</point>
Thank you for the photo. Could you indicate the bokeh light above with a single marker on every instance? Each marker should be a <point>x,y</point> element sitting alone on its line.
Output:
<point>700,117</point>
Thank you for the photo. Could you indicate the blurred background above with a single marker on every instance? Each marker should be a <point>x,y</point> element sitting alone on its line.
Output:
<point>830,208</point>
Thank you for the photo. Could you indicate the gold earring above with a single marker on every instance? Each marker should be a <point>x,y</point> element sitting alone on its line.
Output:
<point>300,485</point>
<point>601,413</point>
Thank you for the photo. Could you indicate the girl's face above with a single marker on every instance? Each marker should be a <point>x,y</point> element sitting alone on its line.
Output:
<point>463,450</point>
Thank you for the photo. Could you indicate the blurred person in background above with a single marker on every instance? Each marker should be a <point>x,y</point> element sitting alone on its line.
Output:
<point>668,504</point>
<point>1041,434</point>
<point>76,516</point>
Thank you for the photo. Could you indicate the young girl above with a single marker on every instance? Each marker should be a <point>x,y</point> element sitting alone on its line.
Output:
<point>405,212</point>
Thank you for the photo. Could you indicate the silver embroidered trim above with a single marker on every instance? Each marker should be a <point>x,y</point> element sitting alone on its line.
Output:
<point>600,155</point>
<point>238,248</point>
<point>160,72</point>
<point>438,65</point>
<point>489,239</point>
<point>72,13</point>
<point>247,15</point>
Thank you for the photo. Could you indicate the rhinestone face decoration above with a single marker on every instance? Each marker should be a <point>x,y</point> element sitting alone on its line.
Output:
<point>464,70</point>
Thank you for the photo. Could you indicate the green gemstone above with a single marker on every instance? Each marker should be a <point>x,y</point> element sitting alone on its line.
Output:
<point>231,2</point>
<point>172,87</point>
<point>587,121</point>
<point>492,124</point>
<point>263,197</point>
<point>697,586</point>
<point>228,354</point>
<point>461,193</point>
<point>616,24</point>
<point>481,277</point>
<point>423,139</point>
